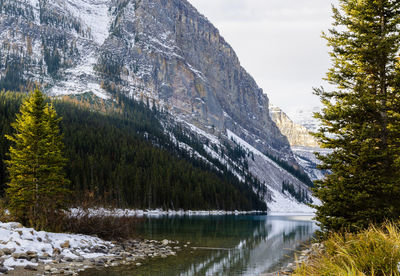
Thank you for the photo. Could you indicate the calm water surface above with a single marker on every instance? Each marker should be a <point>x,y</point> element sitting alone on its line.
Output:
<point>236,245</point>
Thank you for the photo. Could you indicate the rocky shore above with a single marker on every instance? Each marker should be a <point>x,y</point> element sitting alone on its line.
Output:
<point>23,251</point>
<point>131,252</point>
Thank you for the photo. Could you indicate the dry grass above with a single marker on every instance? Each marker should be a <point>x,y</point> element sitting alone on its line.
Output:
<point>375,252</point>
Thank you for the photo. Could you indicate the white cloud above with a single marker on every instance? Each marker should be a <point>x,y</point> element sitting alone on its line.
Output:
<point>278,42</point>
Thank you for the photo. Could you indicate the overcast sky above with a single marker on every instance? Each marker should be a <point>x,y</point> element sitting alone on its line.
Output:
<point>278,42</point>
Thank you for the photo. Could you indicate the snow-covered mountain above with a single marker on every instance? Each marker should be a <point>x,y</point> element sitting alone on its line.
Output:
<point>305,116</point>
<point>161,51</point>
<point>297,134</point>
<point>298,129</point>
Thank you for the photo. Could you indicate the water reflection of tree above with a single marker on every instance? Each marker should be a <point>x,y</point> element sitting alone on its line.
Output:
<point>255,243</point>
<point>224,231</point>
<point>255,246</point>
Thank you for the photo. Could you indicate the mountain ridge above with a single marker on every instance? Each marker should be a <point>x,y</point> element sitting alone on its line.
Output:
<point>161,51</point>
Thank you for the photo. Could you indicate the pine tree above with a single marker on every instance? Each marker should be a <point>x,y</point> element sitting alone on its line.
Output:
<point>361,117</point>
<point>37,188</point>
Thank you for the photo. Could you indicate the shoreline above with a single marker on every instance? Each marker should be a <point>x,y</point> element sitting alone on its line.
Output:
<point>24,251</point>
<point>156,212</point>
<point>132,252</point>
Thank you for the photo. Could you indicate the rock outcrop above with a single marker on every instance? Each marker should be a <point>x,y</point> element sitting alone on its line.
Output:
<point>298,135</point>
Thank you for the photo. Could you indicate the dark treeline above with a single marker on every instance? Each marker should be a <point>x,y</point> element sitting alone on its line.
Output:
<point>113,158</point>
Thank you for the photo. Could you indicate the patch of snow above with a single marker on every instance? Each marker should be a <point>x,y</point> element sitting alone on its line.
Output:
<point>36,12</point>
<point>22,239</point>
<point>197,72</point>
<point>212,138</point>
<point>223,161</point>
<point>74,84</point>
<point>266,170</point>
<point>94,14</point>
<point>286,205</point>
<point>304,117</point>
<point>155,40</point>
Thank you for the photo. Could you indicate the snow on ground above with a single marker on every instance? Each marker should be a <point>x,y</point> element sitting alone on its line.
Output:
<point>94,14</point>
<point>283,204</point>
<point>271,173</point>
<point>212,138</point>
<point>74,84</point>
<point>18,239</point>
<point>96,19</point>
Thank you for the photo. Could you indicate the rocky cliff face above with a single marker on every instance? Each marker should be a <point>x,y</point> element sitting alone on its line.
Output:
<point>298,135</point>
<point>160,50</point>
<point>183,61</point>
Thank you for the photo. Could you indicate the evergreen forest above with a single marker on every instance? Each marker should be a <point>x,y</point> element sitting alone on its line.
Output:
<point>125,159</point>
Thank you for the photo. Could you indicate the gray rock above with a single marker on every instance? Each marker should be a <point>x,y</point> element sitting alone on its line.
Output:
<point>99,262</point>
<point>30,267</point>
<point>3,270</point>
<point>20,256</point>
<point>67,259</point>
<point>56,251</point>
<point>44,256</point>
<point>164,242</point>
<point>8,251</point>
<point>65,244</point>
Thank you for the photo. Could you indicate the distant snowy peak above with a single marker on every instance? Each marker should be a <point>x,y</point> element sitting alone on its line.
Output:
<point>297,134</point>
<point>305,117</point>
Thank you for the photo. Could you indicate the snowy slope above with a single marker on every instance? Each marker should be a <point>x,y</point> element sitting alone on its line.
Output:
<point>305,117</point>
<point>94,14</point>
<point>273,175</point>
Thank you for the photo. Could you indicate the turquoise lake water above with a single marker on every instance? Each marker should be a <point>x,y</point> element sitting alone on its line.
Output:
<point>230,245</point>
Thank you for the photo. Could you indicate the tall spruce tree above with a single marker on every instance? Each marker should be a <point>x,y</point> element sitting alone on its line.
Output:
<point>361,117</point>
<point>37,188</point>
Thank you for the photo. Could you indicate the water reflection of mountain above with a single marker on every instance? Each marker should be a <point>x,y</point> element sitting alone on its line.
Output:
<point>237,245</point>
<point>271,243</point>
